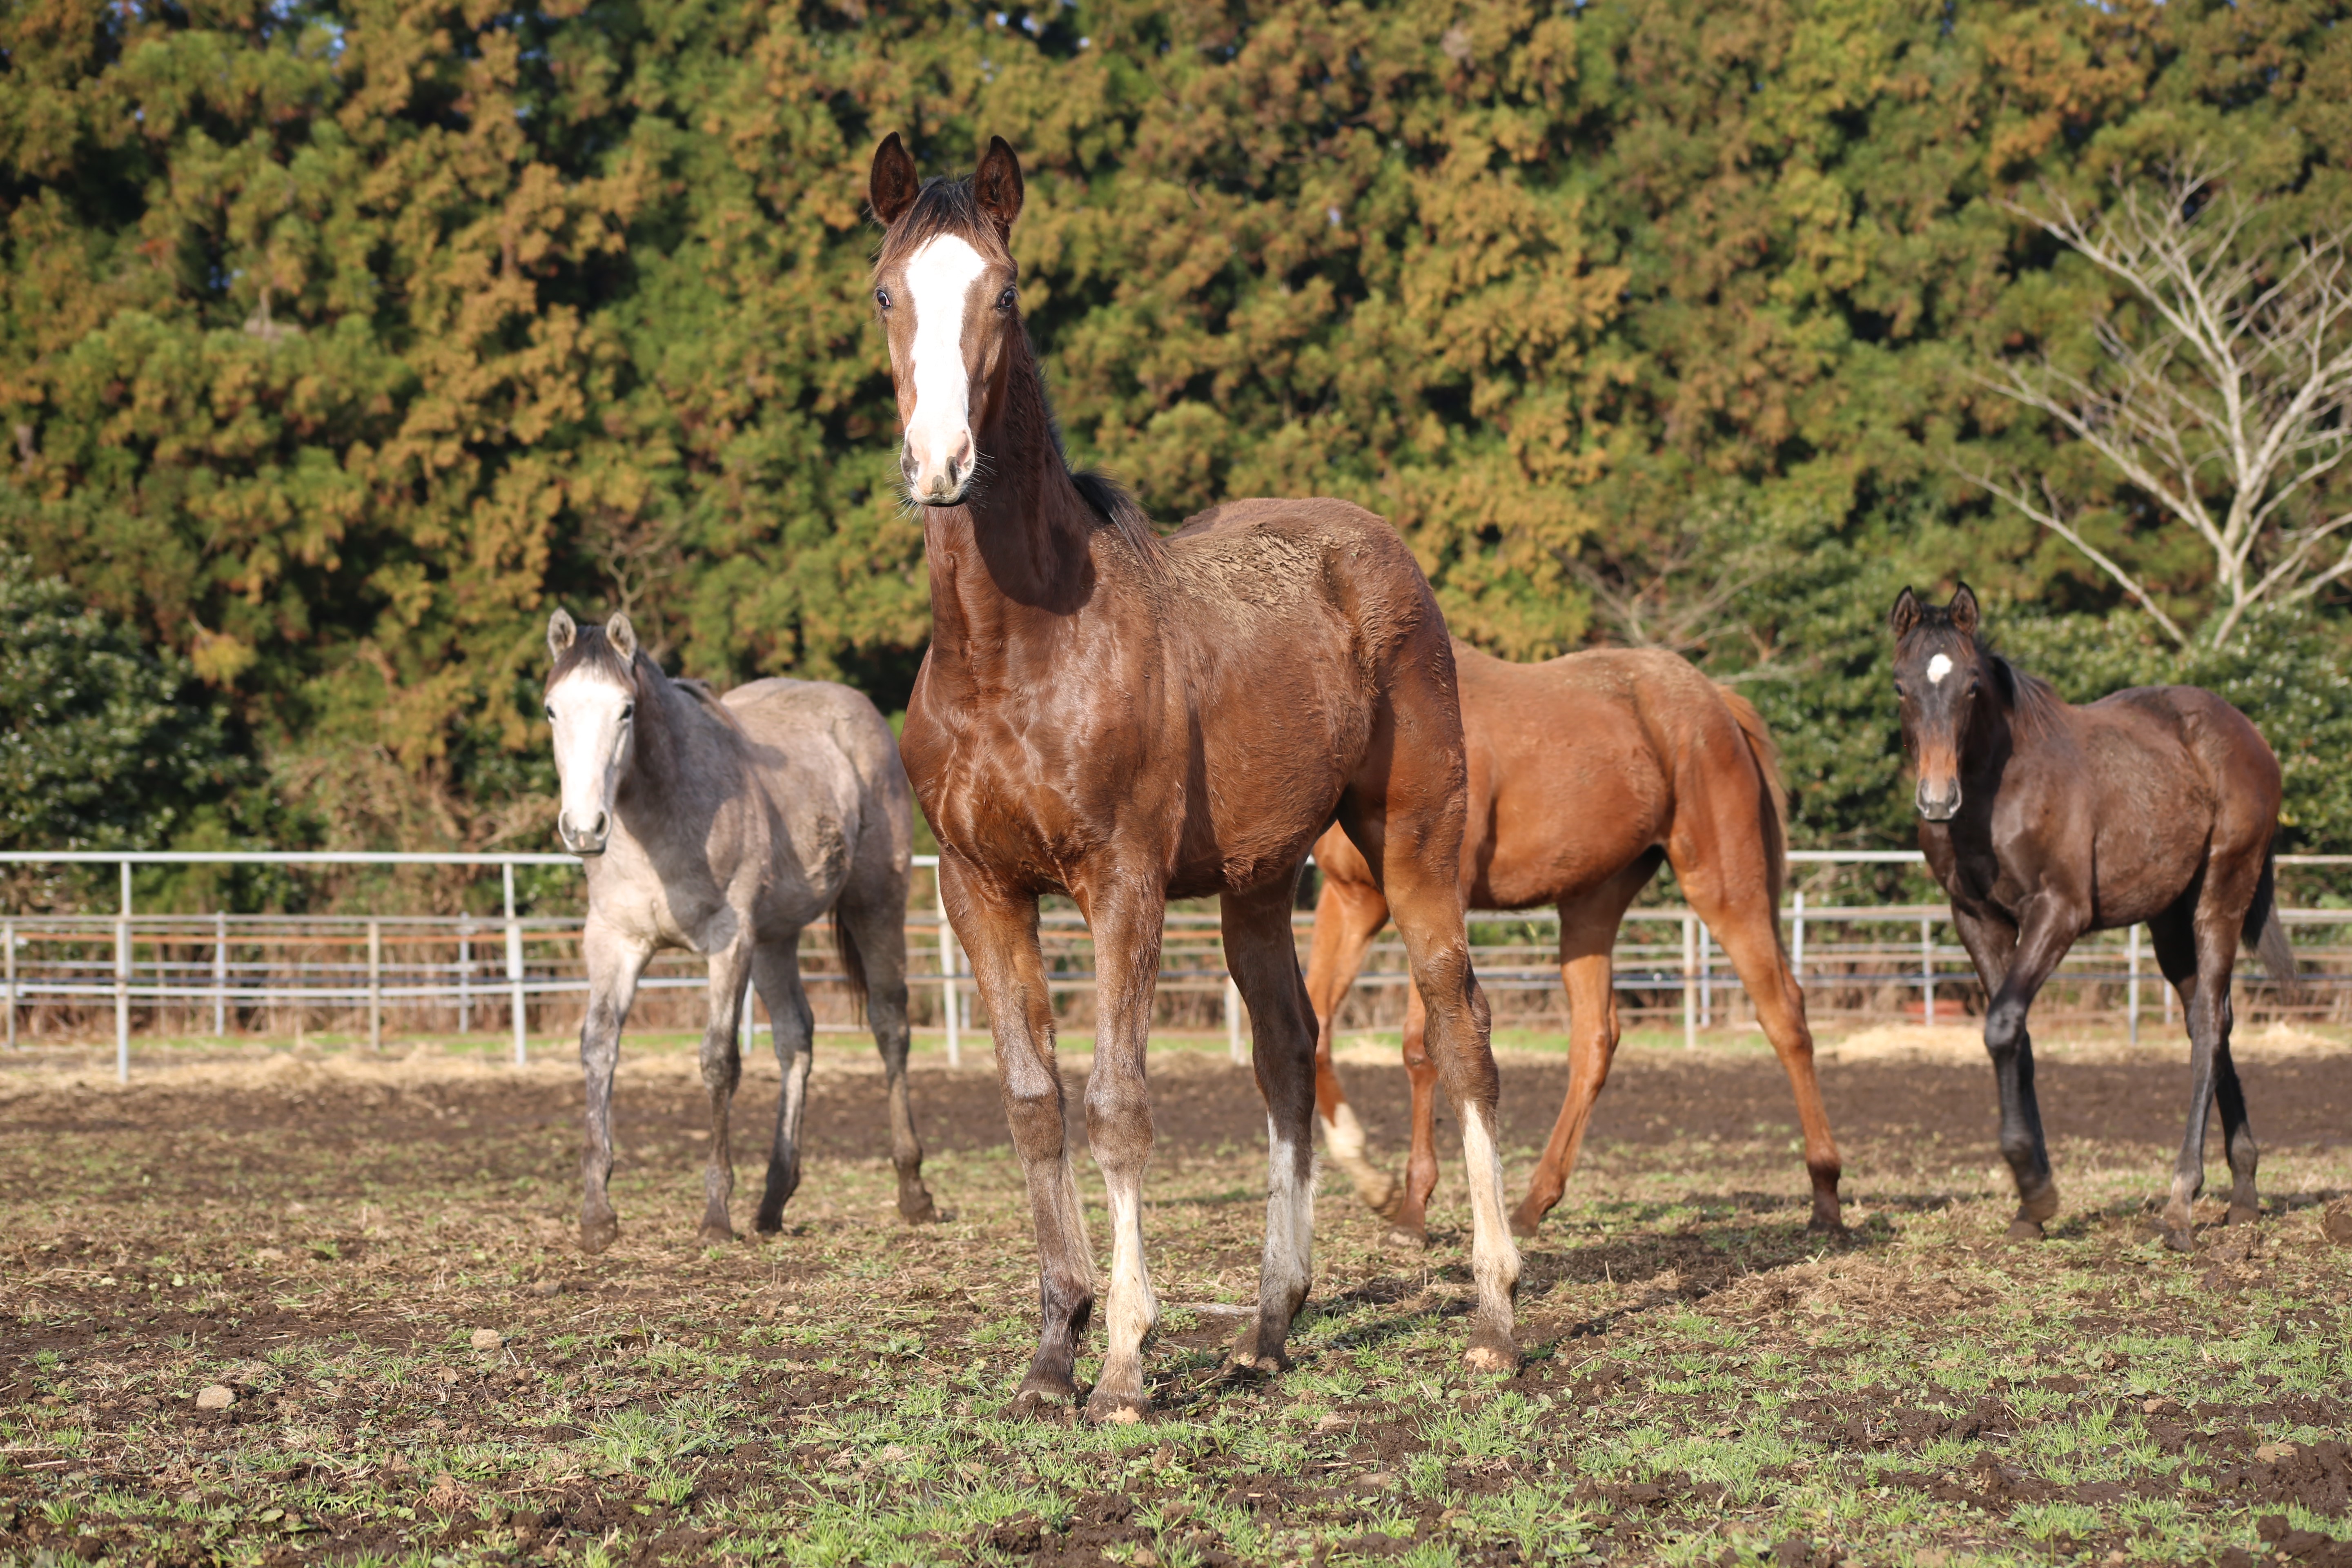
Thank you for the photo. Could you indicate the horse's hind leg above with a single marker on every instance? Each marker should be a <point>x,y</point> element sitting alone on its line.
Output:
<point>1739,910</point>
<point>1588,933</point>
<point>1409,1222</point>
<point>1282,1026</point>
<point>791,1027</point>
<point>2207,940</point>
<point>879,934</point>
<point>1404,811</point>
<point>613,967</point>
<point>1348,916</point>
<point>722,1070</point>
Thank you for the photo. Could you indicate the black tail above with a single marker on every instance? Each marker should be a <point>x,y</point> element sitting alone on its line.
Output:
<point>853,965</point>
<point>2265,934</point>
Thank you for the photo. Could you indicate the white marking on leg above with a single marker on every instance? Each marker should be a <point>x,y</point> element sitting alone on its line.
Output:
<point>1494,1256</point>
<point>1290,1262</point>
<point>938,285</point>
<point>1346,1135</point>
<point>1133,1311</point>
<point>1938,668</point>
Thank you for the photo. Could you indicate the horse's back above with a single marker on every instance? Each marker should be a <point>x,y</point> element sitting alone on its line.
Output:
<point>2235,766</point>
<point>1256,563</point>
<point>1593,755</point>
<point>821,744</point>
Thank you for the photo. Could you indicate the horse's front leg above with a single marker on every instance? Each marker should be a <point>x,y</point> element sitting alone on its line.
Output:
<point>614,964</point>
<point>722,1070</point>
<point>2048,928</point>
<point>1125,915</point>
<point>999,931</point>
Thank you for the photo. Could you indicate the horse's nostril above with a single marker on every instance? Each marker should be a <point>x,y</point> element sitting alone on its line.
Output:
<point>906,465</point>
<point>602,825</point>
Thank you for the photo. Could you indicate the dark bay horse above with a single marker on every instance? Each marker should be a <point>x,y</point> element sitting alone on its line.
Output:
<point>1128,719</point>
<point>2043,821</point>
<point>1586,773</point>
<point>724,826</point>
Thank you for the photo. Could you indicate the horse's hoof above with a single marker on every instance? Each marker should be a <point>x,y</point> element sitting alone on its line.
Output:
<point>1491,1351</point>
<point>715,1235</point>
<point>2023,1229</point>
<point>919,1209</point>
<point>1040,1396</point>
<point>2244,1214</point>
<point>597,1235</point>
<point>1107,1409</point>
<point>1248,1360</point>
<point>2178,1238</point>
<point>1525,1225</point>
<point>1410,1239</point>
<point>1829,1223</point>
<point>1382,1199</point>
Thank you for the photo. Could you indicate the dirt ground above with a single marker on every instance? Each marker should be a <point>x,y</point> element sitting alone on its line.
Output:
<point>370,1259</point>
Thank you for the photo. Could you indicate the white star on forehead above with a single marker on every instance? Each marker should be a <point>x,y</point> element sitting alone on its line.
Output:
<point>1938,668</point>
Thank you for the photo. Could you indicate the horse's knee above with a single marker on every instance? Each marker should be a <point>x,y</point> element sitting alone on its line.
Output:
<point>1035,1120</point>
<point>2004,1028</point>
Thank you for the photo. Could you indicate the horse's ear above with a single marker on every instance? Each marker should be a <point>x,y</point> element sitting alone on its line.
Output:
<point>1963,609</point>
<point>997,186</point>
<point>1903,615</point>
<point>624,636</point>
<point>893,184</point>
<point>559,633</point>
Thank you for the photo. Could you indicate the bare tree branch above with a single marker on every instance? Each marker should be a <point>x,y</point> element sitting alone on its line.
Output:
<point>2230,402</point>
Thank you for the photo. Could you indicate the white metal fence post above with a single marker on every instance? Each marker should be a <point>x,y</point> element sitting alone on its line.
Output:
<point>948,963</point>
<point>122,983</point>
<point>1706,978</point>
<point>2131,983</point>
<point>376,984</point>
<point>465,973</point>
<point>220,972</point>
<point>1690,980</point>
<point>8,941</point>
<point>1927,972</point>
<point>1234,1021</point>
<point>1797,958</point>
<point>514,970</point>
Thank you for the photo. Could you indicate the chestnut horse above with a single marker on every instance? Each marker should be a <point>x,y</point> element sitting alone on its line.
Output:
<point>1586,773</point>
<point>1127,719</point>
<point>2043,821</point>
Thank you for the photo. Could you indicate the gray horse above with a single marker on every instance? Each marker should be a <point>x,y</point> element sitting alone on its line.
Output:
<point>724,825</point>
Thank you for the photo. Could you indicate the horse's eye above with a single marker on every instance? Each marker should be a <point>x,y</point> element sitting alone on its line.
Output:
<point>628,711</point>
<point>1900,690</point>
<point>550,712</point>
<point>882,297</point>
<point>1004,300</point>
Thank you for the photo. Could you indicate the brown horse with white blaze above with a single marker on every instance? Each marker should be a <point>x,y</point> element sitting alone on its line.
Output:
<point>1128,718</point>
<point>1586,773</point>
<point>2043,820</point>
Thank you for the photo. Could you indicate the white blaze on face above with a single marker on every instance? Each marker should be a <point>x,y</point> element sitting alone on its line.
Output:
<point>939,432</point>
<point>1938,668</point>
<point>590,713</point>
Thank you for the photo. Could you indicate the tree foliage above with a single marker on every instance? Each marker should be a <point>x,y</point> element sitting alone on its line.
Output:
<point>105,744</point>
<point>339,339</point>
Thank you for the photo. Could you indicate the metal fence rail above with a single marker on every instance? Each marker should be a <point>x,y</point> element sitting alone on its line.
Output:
<point>470,969</point>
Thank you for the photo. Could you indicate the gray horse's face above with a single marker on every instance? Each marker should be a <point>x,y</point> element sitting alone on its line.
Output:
<point>595,718</point>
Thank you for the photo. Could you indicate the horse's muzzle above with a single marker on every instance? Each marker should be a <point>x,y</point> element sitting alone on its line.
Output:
<point>1937,803</point>
<point>586,844</point>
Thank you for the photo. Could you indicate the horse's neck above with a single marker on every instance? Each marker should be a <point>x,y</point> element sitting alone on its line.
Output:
<point>673,753</point>
<point>1012,563</point>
